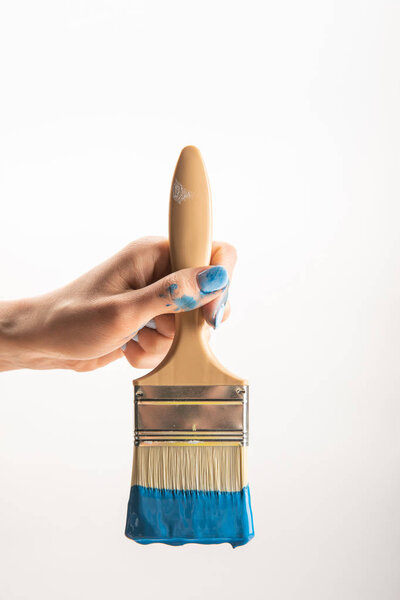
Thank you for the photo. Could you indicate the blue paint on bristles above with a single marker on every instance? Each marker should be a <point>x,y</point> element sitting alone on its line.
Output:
<point>182,516</point>
<point>177,517</point>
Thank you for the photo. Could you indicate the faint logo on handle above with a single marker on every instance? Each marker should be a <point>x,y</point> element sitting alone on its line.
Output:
<point>180,193</point>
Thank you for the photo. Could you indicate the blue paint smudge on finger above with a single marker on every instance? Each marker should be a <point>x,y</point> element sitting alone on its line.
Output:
<point>185,303</point>
<point>172,288</point>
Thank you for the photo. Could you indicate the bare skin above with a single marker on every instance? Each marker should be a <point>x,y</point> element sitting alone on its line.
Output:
<point>84,325</point>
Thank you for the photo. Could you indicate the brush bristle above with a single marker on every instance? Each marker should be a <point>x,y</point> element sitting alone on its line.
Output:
<point>205,468</point>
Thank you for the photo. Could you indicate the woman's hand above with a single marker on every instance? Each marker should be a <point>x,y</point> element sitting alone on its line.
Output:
<point>103,315</point>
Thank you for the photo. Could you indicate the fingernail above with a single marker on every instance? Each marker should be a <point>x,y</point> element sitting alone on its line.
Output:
<point>212,279</point>
<point>135,338</point>
<point>123,348</point>
<point>219,315</point>
<point>151,324</point>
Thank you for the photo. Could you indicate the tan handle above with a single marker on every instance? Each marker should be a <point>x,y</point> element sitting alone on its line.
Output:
<point>190,226</point>
<point>190,360</point>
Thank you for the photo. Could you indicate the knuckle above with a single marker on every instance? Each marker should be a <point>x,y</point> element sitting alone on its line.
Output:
<point>180,293</point>
<point>170,287</point>
<point>151,239</point>
<point>141,244</point>
<point>148,240</point>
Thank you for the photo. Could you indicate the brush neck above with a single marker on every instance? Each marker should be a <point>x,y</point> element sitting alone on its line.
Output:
<point>189,332</point>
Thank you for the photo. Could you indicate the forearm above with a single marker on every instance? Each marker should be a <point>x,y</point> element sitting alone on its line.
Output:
<point>18,346</point>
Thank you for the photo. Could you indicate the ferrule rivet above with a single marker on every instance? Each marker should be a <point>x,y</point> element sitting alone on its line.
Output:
<point>240,391</point>
<point>139,394</point>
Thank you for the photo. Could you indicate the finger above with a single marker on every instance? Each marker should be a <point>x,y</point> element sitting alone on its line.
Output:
<point>165,324</point>
<point>153,342</point>
<point>83,366</point>
<point>222,254</point>
<point>139,358</point>
<point>178,292</point>
<point>142,262</point>
<point>227,311</point>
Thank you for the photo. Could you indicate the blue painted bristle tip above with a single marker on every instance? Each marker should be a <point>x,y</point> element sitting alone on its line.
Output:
<point>178,517</point>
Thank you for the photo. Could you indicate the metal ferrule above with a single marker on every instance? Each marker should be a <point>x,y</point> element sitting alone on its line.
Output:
<point>212,415</point>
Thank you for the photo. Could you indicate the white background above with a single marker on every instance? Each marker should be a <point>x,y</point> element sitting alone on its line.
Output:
<point>295,107</point>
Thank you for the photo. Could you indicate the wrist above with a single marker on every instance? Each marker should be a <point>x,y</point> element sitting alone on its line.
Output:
<point>19,321</point>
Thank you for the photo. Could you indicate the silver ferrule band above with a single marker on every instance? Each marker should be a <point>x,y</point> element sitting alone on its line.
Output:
<point>186,415</point>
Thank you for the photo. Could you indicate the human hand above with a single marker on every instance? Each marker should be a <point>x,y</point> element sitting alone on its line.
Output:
<point>91,321</point>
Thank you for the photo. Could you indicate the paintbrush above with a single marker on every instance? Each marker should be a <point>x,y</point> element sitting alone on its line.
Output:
<point>189,479</point>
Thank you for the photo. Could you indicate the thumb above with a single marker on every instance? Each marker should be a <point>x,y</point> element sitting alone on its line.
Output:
<point>179,292</point>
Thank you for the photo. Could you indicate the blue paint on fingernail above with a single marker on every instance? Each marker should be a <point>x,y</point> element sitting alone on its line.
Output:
<point>151,324</point>
<point>135,338</point>
<point>123,348</point>
<point>219,316</point>
<point>212,279</point>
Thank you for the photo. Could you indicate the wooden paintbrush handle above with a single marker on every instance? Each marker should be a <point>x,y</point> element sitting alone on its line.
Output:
<point>190,220</point>
<point>190,360</point>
